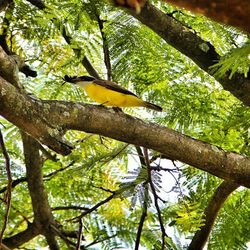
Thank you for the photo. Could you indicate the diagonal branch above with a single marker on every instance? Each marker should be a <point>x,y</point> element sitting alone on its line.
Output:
<point>139,230</point>
<point>9,186</point>
<point>235,13</point>
<point>45,177</point>
<point>85,61</point>
<point>163,231</point>
<point>232,12</point>
<point>48,120</point>
<point>191,45</point>
<point>221,194</point>
<point>105,47</point>
<point>43,218</point>
<point>19,239</point>
<point>79,239</point>
<point>145,202</point>
<point>90,210</point>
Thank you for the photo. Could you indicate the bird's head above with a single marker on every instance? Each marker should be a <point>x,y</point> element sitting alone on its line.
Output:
<point>76,80</point>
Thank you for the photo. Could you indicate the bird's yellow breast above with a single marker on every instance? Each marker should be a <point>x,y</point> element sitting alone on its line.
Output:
<point>109,97</point>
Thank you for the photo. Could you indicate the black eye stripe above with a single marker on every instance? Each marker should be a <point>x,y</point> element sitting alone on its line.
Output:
<point>87,78</point>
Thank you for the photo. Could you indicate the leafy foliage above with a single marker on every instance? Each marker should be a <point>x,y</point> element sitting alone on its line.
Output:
<point>193,102</point>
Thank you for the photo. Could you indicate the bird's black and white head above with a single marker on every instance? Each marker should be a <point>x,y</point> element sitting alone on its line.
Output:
<point>81,80</point>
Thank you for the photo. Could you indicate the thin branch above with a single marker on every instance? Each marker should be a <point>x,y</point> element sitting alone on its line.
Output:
<point>104,189</point>
<point>139,230</point>
<point>68,208</point>
<point>48,154</point>
<point>85,61</point>
<point>90,210</point>
<point>141,156</point>
<point>45,177</point>
<point>8,193</point>
<point>79,239</point>
<point>14,183</point>
<point>89,67</point>
<point>210,214</point>
<point>105,47</point>
<point>145,202</point>
<point>164,234</point>
<point>96,241</point>
<point>64,236</point>
<point>52,174</point>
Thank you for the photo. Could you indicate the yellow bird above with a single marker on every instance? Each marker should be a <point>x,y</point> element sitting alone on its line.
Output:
<point>109,93</point>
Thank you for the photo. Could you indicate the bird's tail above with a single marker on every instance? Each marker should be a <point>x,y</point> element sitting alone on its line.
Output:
<point>152,106</point>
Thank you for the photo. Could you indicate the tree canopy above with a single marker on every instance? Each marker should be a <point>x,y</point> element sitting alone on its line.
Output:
<point>77,175</point>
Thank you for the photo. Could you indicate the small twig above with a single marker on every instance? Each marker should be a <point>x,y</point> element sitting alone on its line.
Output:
<point>95,207</point>
<point>143,217</point>
<point>84,138</point>
<point>47,154</point>
<point>96,241</point>
<point>79,240</point>
<point>63,237</point>
<point>145,151</point>
<point>105,47</point>
<point>8,193</point>
<point>51,175</point>
<point>46,177</point>
<point>14,183</point>
<point>159,168</point>
<point>68,208</point>
<point>104,189</point>
<point>101,140</point>
<point>141,156</point>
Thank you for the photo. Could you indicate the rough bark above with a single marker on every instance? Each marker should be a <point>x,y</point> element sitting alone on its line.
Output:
<point>191,45</point>
<point>232,12</point>
<point>43,218</point>
<point>221,194</point>
<point>19,239</point>
<point>45,120</point>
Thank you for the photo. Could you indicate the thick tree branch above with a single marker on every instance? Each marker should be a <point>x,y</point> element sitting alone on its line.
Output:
<point>232,12</point>
<point>44,120</point>
<point>221,194</point>
<point>9,68</point>
<point>191,45</point>
<point>43,218</point>
<point>23,67</point>
<point>21,238</point>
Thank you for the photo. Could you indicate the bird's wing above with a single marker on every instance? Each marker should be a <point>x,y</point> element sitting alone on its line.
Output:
<point>113,86</point>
